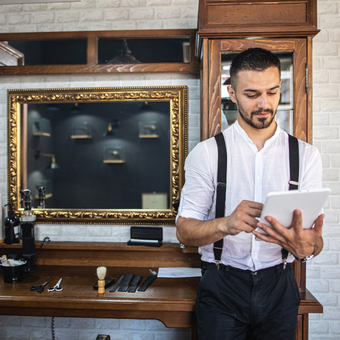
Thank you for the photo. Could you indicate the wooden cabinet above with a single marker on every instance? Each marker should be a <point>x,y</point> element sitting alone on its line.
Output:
<point>233,26</point>
<point>284,27</point>
<point>172,301</point>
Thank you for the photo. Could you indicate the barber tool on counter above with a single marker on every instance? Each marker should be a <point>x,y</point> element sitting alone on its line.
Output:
<point>11,226</point>
<point>101,273</point>
<point>129,283</point>
<point>27,223</point>
<point>56,287</point>
<point>103,282</point>
<point>40,288</point>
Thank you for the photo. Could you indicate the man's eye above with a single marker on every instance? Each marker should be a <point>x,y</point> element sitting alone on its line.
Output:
<point>272,93</point>
<point>250,95</point>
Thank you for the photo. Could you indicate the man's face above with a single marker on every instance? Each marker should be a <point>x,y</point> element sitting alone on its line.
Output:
<point>257,96</point>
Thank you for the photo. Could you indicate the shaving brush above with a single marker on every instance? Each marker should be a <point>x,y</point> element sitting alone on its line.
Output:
<point>101,273</point>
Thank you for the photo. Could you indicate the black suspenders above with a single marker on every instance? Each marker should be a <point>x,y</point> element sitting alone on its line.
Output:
<point>222,187</point>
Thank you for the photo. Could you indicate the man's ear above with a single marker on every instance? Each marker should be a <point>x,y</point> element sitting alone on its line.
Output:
<point>231,93</point>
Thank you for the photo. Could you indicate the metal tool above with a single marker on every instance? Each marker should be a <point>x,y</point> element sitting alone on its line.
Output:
<point>152,272</point>
<point>40,288</point>
<point>56,288</point>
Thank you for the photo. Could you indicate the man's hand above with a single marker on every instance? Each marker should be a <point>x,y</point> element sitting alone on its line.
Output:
<point>243,218</point>
<point>200,233</point>
<point>298,241</point>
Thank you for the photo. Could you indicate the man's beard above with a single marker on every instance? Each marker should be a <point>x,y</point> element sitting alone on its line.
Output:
<point>261,123</point>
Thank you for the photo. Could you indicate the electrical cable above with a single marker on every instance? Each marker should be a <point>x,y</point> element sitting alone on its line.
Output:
<point>39,251</point>
<point>52,328</point>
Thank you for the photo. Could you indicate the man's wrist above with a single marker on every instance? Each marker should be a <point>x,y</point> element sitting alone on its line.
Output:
<point>307,258</point>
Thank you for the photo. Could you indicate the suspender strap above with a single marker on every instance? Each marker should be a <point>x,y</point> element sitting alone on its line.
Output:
<point>293,163</point>
<point>294,174</point>
<point>221,189</point>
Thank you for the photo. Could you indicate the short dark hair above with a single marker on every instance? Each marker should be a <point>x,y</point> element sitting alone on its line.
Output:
<point>253,59</point>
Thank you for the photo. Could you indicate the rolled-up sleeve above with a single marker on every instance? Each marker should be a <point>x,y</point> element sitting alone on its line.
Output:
<point>197,196</point>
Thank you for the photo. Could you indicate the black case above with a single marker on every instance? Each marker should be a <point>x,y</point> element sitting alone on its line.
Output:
<point>142,236</point>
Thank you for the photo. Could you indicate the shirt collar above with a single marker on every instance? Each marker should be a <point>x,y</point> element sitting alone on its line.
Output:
<point>246,138</point>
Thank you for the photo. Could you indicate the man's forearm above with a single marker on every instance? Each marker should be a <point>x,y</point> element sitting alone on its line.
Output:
<point>192,232</point>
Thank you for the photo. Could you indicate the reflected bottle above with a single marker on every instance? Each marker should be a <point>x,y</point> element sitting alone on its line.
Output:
<point>41,201</point>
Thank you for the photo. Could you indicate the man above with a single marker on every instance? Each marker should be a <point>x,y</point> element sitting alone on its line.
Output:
<point>251,294</point>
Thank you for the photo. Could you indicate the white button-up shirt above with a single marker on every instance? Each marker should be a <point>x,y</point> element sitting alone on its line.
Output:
<point>251,175</point>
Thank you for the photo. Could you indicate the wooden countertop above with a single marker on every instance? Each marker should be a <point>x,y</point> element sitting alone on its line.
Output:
<point>79,299</point>
<point>171,301</point>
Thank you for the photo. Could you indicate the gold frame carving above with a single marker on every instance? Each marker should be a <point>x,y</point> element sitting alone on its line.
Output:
<point>176,95</point>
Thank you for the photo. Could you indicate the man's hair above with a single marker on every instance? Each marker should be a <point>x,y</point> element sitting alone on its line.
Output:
<point>253,59</point>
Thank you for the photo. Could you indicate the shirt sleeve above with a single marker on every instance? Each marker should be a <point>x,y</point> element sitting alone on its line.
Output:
<point>198,192</point>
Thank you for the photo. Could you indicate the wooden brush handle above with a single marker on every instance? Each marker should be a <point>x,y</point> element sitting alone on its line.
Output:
<point>101,286</point>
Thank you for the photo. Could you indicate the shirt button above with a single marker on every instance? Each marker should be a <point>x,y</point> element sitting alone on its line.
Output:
<point>258,178</point>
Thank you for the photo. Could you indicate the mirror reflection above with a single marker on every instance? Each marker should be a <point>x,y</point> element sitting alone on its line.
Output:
<point>111,153</point>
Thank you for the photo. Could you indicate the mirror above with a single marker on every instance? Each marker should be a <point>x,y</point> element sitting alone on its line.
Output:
<point>103,155</point>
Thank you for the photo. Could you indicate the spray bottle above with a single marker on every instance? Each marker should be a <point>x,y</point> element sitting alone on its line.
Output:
<point>11,226</point>
<point>27,222</point>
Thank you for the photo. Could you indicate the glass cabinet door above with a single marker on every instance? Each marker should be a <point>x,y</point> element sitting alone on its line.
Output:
<point>294,113</point>
<point>285,112</point>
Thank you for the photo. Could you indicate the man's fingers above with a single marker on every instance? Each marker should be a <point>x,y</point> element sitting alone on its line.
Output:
<point>251,208</point>
<point>319,223</point>
<point>297,220</point>
<point>274,234</point>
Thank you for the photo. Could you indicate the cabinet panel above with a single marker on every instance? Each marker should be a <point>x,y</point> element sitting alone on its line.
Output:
<point>279,13</point>
<point>299,328</point>
<point>230,18</point>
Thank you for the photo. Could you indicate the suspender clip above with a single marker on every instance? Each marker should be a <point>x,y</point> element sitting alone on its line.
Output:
<point>293,183</point>
<point>217,264</point>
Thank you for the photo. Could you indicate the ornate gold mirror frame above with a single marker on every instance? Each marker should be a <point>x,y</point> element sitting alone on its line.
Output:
<point>17,153</point>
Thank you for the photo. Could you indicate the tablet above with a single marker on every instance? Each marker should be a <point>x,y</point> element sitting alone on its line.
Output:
<point>281,206</point>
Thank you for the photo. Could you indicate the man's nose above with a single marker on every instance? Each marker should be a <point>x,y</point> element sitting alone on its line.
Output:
<point>262,102</point>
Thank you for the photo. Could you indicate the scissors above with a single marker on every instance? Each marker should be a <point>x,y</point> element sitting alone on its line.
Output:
<point>56,288</point>
<point>40,288</point>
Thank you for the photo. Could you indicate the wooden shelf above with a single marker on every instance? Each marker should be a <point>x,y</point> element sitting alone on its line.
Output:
<point>112,161</point>
<point>148,136</point>
<point>45,134</point>
<point>92,66</point>
<point>81,137</point>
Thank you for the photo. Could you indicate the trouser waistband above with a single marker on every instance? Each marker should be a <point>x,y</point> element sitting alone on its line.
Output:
<point>241,272</point>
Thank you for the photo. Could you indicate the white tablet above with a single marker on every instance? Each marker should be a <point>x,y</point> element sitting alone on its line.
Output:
<point>281,206</point>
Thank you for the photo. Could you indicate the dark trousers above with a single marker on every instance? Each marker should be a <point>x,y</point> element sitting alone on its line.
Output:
<point>235,304</point>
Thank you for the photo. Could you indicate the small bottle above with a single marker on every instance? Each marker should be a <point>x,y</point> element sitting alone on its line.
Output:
<point>27,222</point>
<point>11,226</point>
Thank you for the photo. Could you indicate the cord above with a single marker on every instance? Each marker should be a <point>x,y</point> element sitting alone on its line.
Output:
<point>39,251</point>
<point>52,328</point>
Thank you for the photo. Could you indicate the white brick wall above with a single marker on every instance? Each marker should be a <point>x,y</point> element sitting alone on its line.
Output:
<point>323,274</point>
